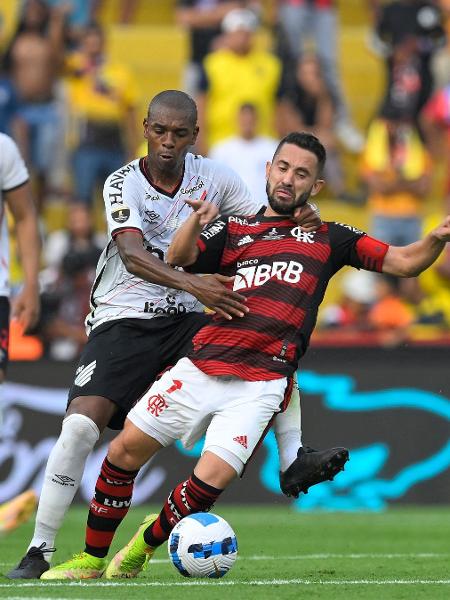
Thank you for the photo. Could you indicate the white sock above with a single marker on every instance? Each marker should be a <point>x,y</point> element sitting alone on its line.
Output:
<point>62,478</point>
<point>288,431</point>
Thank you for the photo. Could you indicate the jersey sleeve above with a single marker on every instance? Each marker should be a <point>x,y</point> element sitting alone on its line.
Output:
<point>121,197</point>
<point>235,197</point>
<point>13,172</point>
<point>351,246</point>
<point>211,244</point>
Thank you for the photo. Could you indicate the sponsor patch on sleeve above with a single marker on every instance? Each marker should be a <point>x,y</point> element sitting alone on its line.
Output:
<point>120,213</point>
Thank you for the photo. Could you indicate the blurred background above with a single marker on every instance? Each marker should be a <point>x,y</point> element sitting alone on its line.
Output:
<point>371,78</point>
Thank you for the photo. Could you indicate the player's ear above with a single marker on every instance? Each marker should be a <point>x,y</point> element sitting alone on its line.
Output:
<point>268,165</point>
<point>145,124</point>
<point>195,134</point>
<point>317,186</point>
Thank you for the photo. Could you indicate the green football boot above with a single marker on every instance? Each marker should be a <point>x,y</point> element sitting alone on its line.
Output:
<point>80,566</point>
<point>133,558</point>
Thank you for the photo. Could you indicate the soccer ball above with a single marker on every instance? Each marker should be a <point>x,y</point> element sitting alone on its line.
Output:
<point>202,545</point>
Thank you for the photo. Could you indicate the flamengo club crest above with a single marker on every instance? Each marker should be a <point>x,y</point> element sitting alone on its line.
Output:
<point>303,236</point>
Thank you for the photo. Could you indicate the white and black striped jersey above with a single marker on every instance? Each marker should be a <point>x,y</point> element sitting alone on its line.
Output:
<point>132,202</point>
<point>13,174</point>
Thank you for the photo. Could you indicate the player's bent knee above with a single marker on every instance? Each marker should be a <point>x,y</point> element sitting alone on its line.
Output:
<point>79,433</point>
<point>97,408</point>
<point>131,449</point>
<point>218,467</point>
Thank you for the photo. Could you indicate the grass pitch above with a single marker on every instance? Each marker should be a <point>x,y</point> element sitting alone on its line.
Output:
<point>399,554</point>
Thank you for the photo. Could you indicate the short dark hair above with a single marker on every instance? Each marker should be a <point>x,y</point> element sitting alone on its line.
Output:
<point>176,100</point>
<point>307,141</point>
<point>248,106</point>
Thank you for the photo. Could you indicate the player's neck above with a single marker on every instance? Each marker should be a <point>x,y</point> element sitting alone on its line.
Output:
<point>269,212</point>
<point>166,180</point>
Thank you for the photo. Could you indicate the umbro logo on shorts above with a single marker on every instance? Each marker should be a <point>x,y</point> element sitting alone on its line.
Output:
<point>242,440</point>
<point>84,374</point>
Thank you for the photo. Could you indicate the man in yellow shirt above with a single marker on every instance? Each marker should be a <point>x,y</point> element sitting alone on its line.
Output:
<point>233,75</point>
<point>396,167</point>
<point>102,97</point>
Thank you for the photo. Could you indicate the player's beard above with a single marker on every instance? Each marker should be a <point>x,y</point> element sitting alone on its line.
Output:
<point>286,209</point>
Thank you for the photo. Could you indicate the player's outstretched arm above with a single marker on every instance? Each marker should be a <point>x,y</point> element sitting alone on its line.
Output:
<point>411,260</point>
<point>26,304</point>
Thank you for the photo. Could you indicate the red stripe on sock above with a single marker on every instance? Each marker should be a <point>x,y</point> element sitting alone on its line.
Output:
<point>120,491</point>
<point>98,539</point>
<point>189,497</point>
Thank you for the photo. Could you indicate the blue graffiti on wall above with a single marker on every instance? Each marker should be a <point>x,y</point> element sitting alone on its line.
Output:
<point>359,487</point>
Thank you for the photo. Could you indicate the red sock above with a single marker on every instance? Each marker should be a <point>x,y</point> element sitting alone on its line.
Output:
<point>110,504</point>
<point>190,496</point>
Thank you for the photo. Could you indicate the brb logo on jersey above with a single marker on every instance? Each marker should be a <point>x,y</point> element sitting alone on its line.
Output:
<point>251,275</point>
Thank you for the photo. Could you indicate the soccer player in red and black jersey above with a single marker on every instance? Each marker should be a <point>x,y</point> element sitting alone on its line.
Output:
<point>235,379</point>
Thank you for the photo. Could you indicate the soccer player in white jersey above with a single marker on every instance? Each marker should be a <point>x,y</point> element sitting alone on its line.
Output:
<point>15,193</point>
<point>144,313</point>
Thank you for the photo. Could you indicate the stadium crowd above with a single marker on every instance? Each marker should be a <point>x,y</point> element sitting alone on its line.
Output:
<point>257,70</point>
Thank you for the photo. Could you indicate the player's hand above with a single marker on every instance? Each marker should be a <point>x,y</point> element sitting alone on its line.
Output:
<point>442,231</point>
<point>26,308</point>
<point>205,211</point>
<point>308,217</point>
<point>211,291</point>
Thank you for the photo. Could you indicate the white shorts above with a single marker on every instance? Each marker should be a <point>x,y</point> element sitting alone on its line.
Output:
<point>185,403</point>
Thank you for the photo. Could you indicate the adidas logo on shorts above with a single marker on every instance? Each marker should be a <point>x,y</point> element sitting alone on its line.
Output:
<point>242,440</point>
<point>84,374</point>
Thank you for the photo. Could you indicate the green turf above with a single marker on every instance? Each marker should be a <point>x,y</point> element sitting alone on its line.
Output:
<point>282,554</point>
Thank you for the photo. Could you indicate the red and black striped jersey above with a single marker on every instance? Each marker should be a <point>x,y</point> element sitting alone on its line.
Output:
<point>284,273</point>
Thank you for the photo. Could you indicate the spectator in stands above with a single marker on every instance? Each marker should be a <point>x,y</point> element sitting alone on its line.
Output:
<point>407,33</point>
<point>64,307</point>
<point>9,102</point>
<point>350,313</point>
<point>435,121</point>
<point>307,105</point>
<point>302,20</point>
<point>247,153</point>
<point>233,75</point>
<point>33,60</point>
<point>434,307</point>
<point>396,167</point>
<point>441,58</point>
<point>203,22</point>
<point>77,236</point>
<point>390,315</point>
<point>79,13</point>
<point>102,98</point>
<point>71,256</point>
<point>370,304</point>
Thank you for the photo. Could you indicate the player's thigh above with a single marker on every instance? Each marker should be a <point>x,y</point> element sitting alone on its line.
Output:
<point>97,408</point>
<point>175,407</point>
<point>119,362</point>
<point>132,448</point>
<point>239,425</point>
